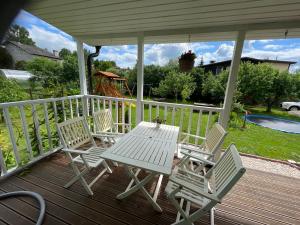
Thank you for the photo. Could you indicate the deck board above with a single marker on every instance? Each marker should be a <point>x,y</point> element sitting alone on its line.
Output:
<point>259,198</point>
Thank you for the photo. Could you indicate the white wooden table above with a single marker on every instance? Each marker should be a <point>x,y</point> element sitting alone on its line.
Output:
<point>145,148</point>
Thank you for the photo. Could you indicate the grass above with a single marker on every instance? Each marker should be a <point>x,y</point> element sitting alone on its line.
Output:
<point>262,141</point>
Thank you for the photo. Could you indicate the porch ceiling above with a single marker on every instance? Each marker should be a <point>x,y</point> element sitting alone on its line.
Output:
<point>120,21</point>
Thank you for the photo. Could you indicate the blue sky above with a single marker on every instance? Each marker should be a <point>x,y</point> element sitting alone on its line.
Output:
<point>47,36</point>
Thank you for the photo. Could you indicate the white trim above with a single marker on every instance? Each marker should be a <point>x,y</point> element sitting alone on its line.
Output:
<point>231,84</point>
<point>81,67</point>
<point>140,78</point>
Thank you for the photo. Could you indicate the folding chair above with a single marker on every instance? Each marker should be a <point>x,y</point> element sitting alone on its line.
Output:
<point>210,149</point>
<point>105,125</point>
<point>73,134</point>
<point>203,192</point>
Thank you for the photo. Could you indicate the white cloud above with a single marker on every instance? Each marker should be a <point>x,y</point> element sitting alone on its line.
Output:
<point>50,40</point>
<point>273,47</point>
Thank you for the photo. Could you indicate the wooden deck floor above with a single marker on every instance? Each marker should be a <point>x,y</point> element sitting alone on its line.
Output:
<point>259,198</point>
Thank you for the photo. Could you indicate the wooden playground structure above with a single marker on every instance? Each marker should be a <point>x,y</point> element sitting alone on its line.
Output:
<point>110,84</point>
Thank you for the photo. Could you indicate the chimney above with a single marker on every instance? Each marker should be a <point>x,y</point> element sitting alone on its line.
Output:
<point>212,61</point>
<point>55,52</point>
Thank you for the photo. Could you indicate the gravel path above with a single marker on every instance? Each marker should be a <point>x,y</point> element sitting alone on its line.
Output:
<point>271,167</point>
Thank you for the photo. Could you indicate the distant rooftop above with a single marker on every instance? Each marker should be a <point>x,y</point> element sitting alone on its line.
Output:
<point>16,74</point>
<point>243,59</point>
<point>33,50</point>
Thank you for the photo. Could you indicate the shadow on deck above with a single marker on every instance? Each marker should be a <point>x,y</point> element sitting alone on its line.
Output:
<point>259,198</point>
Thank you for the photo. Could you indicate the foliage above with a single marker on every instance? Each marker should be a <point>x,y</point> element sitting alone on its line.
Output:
<point>263,84</point>
<point>70,70</point>
<point>188,56</point>
<point>198,74</point>
<point>104,65</point>
<point>176,84</point>
<point>10,90</point>
<point>20,65</point>
<point>213,87</point>
<point>19,34</point>
<point>45,71</point>
<point>6,61</point>
<point>64,53</point>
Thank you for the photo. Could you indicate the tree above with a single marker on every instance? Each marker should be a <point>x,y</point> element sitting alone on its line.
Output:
<point>213,87</point>
<point>6,61</point>
<point>70,70</point>
<point>104,65</point>
<point>176,84</point>
<point>64,53</point>
<point>19,34</point>
<point>263,84</point>
<point>47,72</point>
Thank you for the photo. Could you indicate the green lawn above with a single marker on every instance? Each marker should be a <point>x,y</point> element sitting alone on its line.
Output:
<point>265,142</point>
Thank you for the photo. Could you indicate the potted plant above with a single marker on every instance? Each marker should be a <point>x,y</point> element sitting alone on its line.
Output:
<point>187,61</point>
<point>158,122</point>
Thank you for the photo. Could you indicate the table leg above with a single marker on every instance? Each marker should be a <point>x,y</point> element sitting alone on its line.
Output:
<point>139,185</point>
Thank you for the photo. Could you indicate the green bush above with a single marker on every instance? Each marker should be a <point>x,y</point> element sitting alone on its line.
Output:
<point>6,61</point>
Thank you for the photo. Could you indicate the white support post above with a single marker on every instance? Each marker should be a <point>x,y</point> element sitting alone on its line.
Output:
<point>81,67</point>
<point>140,79</point>
<point>231,84</point>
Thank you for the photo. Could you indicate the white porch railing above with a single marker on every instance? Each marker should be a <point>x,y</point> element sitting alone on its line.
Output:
<point>29,126</point>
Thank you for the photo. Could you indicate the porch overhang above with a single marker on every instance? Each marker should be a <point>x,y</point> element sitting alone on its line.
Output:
<point>119,22</point>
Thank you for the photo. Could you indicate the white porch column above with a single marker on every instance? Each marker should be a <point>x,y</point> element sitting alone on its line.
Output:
<point>140,78</point>
<point>81,67</point>
<point>231,84</point>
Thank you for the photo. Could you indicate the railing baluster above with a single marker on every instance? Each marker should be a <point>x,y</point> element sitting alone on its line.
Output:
<point>2,164</point>
<point>71,108</point>
<point>11,135</point>
<point>181,119</point>
<point>98,104</point>
<point>117,114</point>
<point>104,104</point>
<point>55,112</point>
<point>93,105</point>
<point>165,113</point>
<point>77,107</point>
<point>173,116</point>
<point>198,127</point>
<point>110,106</point>
<point>25,131</point>
<point>63,109</point>
<point>157,111</point>
<point>208,122</point>
<point>123,117</point>
<point>190,124</point>
<point>150,112</point>
<point>37,128</point>
<point>48,125</point>
<point>129,116</point>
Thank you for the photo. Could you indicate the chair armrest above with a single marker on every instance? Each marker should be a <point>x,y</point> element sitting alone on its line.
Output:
<point>194,188</point>
<point>191,173</point>
<point>197,151</point>
<point>126,124</point>
<point>104,134</point>
<point>194,136</point>
<point>198,158</point>
<point>81,152</point>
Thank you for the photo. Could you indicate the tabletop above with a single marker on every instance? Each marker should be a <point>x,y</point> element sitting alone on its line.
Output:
<point>146,147</point>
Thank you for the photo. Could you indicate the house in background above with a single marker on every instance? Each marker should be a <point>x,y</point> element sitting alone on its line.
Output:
<point>217,67</point>
<point>22,52</point>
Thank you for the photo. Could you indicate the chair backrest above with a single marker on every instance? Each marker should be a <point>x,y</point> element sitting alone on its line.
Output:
<point>226,172</point>
<point>103,121</point>
<point>214,139</point>
<point>74,133</point>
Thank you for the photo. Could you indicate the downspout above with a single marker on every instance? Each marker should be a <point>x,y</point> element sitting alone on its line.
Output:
<point>89,68</point>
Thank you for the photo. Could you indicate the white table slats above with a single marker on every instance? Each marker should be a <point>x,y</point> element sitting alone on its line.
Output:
<point>146,147</point>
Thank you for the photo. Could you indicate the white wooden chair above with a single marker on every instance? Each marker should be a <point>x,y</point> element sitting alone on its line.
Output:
<point>73,134</point>
<point>210,149</point>
<point>106,127</point>
<point>192,189</point>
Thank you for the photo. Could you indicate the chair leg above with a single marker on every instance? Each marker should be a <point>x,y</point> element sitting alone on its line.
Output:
<point>212,216</point>
<point>107,167</point>
<point>79,176</point>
